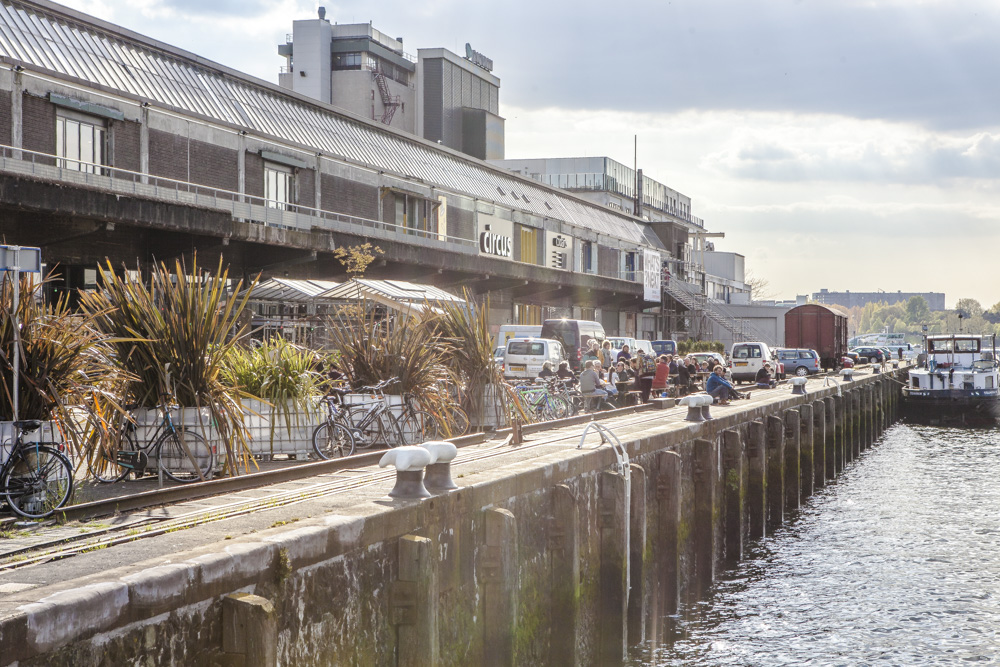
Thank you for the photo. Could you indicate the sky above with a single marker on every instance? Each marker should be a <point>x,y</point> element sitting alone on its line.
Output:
<point>848,145</point>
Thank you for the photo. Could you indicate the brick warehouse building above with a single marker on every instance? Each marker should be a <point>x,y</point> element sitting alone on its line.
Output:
<point>125,148</point>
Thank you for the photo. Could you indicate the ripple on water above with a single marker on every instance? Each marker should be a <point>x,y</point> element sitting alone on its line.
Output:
<point>897,563</point>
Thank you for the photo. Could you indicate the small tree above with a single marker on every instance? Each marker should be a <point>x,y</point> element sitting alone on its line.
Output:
<point>357,258</point>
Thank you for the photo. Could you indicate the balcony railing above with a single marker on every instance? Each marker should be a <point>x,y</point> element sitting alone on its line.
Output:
<point>242,207</point>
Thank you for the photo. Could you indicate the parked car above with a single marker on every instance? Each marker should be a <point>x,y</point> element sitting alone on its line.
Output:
<point>748,358</point>
<point>846,362</point>
<point>799,361</point>
<point>524,357</point>
<point>712,358</point>
<point>617,342</point>
<point>664,347</point>
<point>574,335</point>
<point>645,346</point>
<point>853,356</point>
<point>871,355</point>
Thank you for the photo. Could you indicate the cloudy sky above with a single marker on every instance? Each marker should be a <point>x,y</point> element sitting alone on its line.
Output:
<point>851,145</point>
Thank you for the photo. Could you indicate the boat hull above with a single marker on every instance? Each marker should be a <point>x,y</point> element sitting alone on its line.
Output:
<point>952,405</point>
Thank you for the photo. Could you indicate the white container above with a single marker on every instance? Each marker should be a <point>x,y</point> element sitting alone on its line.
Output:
<point>197,420</point>
<point>273,430</point>
<point>48,433</point>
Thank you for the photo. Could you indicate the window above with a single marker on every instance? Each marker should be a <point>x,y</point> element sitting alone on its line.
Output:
<point>527,314</point>
<point>628,265</point>
<point>80,140</point>
<point>343,61</point>
<point>587,257</point>
<point>412,212</point>
<point>524,347</point>
<point>278,183</point>
<point>529,246</point>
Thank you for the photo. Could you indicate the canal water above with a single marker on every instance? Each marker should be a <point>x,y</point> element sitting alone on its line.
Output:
<point>895,563</point>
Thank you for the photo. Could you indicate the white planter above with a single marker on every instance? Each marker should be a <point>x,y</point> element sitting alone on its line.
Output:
<point>272,431</point>
<point>48,433</point>
<point>366,401</point>
<point>197,420</point>
<point>493,413</point>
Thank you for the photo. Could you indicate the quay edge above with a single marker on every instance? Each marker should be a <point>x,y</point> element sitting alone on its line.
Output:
<point>530,562</point>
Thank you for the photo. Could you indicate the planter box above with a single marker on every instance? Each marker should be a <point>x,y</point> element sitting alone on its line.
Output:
<point>198,420</point>
<point>272,431</point>
<point>49,432</point>
<point>366,400</point>
<point>493,413</point>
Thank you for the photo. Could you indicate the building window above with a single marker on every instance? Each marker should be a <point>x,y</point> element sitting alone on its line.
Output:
<point>588,314</point>
<point>586,257</point>
<point>414,213</point>
<point>278,185</point>
<point>628,265</point>
<point>529,245</point>
<point>527,314</point>
<point>345,61</point>
<point>81,142</point>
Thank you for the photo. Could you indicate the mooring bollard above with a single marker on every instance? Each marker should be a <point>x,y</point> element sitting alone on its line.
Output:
<point>438,475</point>
<point>694,405</point>
<point>706,403</point>
<point>798,385</point>
<point>847,374</point>
<point>410,462</point>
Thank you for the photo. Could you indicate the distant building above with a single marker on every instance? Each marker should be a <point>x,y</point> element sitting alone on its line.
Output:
<point>437,95</point>
<point>935,300</point>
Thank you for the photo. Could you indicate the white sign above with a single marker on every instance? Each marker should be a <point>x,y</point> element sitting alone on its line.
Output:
<point>23,259</point>
<point>651,274</point>
<point>558,251</point>
<point>496,236</point>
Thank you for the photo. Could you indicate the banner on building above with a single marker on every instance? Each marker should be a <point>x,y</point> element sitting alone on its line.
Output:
<point>651,273</point>
<point>558,251</point>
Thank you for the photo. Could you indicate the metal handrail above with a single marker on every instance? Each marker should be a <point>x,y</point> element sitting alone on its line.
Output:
<point>240,205</point>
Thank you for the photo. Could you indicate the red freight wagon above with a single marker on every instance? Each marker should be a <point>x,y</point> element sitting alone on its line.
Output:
<point>819,328</point>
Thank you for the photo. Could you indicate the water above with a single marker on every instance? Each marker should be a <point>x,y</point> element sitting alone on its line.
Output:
<point>896,563</point>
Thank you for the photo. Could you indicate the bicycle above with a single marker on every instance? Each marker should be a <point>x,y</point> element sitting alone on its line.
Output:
<point>36,479</point>
<point>183,454</point>
<point>375,422</point>
<point>333,437</point>
<point>541,403</point>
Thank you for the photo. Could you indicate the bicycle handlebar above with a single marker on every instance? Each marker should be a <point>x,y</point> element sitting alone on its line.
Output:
<point>380,386</point>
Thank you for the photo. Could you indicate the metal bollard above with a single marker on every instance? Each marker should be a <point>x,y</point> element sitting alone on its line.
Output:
<point>693,404</point>
<point>410,462</point>
<point>847,374</point>
<point>798,386</point>
<point>438,475</point>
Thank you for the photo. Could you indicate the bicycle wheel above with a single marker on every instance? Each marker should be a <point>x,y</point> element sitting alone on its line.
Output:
<point>458,422</point>
<point>559,406</point>
<point>174,459</point>
<point>367,435</point>
<point>38,481</point>
<point>332,440</point>
<point>419,427</point>
<point>103,465</point>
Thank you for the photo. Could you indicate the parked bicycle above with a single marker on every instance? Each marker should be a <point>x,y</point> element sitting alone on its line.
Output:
<point>36,479</point>
<point>333,437</point>
<point>183,454</point>
<point>374,422</point>
<point>540,403</point>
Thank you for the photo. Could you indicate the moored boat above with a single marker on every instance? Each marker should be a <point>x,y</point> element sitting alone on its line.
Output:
<point>957,382</point>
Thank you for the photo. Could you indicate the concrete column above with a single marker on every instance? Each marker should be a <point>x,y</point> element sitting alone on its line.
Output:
<point>250,630</point>
<point>806,452</point>
<point>414,602</point>
<point>564,569</point>
<point>144,143</point>
<point>775,472</point>
<point>734,475</point>
<point>705,513</point>
<point>17,113</point>
<point>637,593</point>
<point>666,550</point>
<point>613,578</point>
<point>757,479</point>
<point>498,568</point>
<point>819,443</point>
<point>793,460</point>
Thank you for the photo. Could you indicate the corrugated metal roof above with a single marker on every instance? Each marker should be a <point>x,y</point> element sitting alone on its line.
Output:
<point>290,291</point>
<point>394,290</point>
<point>38,35</point>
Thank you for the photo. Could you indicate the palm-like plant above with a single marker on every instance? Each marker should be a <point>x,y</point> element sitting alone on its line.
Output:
<point>174,334</point>
<point>66,361</point>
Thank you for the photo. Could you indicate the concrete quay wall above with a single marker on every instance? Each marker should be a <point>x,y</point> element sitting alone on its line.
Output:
<point>558,559</point>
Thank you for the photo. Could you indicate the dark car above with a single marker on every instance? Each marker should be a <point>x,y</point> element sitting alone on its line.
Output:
<point>853,356</point>
<point>872,355</point>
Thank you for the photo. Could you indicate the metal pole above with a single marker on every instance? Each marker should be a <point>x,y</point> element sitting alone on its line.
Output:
<point>16,273</point>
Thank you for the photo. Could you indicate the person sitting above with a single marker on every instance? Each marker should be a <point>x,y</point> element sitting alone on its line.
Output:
<point>547,371</point>
<point>592,353</point>
<point>624,355</point>
<point>622,373</point>
<point>662,374</point>
<point>763,377</point>
<point>718,388</point>
<point>565,374</point>
<point>591,384</point>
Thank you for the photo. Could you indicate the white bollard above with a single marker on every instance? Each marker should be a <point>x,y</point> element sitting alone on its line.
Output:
<point>847,374</point>
<point>798,385</point>
<point>410,463</point>
<point>438,475</point>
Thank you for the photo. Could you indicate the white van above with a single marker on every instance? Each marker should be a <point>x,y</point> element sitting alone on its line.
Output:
<point>748,358</point>
<point>508,331</point>
<point>524,356</point>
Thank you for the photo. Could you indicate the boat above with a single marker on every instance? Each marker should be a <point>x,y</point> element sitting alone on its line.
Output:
<point>956,380</point>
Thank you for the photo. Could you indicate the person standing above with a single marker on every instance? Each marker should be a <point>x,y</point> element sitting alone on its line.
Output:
<point>624,355</point>
<point>607,356</point>
<point>645,372</point>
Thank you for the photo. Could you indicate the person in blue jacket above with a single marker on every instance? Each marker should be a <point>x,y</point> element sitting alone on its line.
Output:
<point>718,387</point>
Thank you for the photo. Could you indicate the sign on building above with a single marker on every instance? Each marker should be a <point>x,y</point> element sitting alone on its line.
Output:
<point>651,273</point>
<point>558,251</point>
<point>496,236</point>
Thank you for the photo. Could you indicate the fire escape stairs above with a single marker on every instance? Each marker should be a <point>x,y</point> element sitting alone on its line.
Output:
<point>389,101</point>
<point>699,304</point>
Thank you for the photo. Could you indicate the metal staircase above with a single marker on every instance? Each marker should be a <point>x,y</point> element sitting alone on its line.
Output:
<point>389,101</point>
<point>697,303</point>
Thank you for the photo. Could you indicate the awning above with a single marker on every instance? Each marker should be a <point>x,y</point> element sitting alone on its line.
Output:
<point>397,294</point>
<point>283,290</point>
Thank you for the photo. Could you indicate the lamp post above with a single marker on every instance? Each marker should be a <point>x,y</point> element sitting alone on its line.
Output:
<point>17,260</point>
